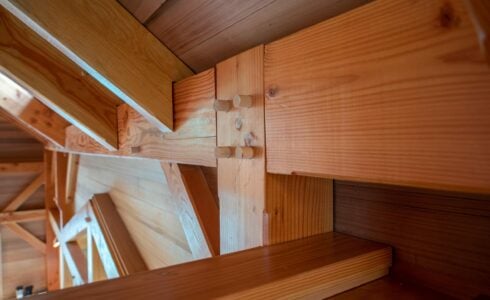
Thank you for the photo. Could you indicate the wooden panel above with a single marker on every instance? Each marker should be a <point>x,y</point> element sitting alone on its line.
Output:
<point>408,105</point>
<point>115,48</point>
<point>192,142</point>
<point>440,239</point>
<point>16,145</point>
<point>27,236</point>
<point>21,167</point>
<point>53,259</point>
<point>297,207</point>
<point>203,33</point>
<point>121,246</point>
<point>141,9</point>
<point>480,11</point>
<point>144,202</point>
<point>313,268</point>
<point>241,182</point>
<point>22,197</point>
<point>197,209</point>
<point>57,81</point>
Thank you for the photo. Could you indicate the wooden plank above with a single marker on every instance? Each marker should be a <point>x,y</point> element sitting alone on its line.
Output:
<point>22,216</point>
<point>297,207</point>
<point>142,9</point>
<point>312,268</point>
<point>25,194</point>
<point>60,187</point>
<point>194,137</point>
<point>438,237</point>
<point>37,138</point>
<point>107,51</point>
<point>203,33</point>
<point>121,246</point>
<point>241,182</point>
<point>27,236</point>
<point>31,113</point>
<point>197,209</point>
<point>79,259</point>
<point>21,167</point>
<point>407,106</point>
<point>57,81</point>
<point>480,12</point>
<point>71,183</point>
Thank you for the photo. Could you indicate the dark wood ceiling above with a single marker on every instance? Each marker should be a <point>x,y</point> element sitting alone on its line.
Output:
<point>204,32</point>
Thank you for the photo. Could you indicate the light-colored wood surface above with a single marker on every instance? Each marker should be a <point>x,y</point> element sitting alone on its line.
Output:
<point>25,194</point>
<point>116,47</point>
<point>21,263</point>
<point>312,268</point>
<point>197,209</point>
<point>37,139</point>
<point>296,207</point>
<point>57,81</point>
<point>391,92</point>
<point>123,250</point>
<point>27,236</point>
<point>144,202</point>
<point>204,33</point>
<point>22,216</point>
<point>192,141</point>
<point>241,182</point>
<point>21,167</point>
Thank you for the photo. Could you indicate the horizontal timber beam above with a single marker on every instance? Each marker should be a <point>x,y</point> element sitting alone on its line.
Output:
<point>56,81</point>
<point>22,216</point>
<point>107,51</point>
<point>312,268</point>
<point>22,167</point>
<point>408,106</point>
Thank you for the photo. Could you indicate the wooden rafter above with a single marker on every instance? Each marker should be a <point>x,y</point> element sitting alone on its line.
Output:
<point>56,81</point>
<point>197,208</point>
<point>109,54</point>
<point>23,167</point>
<point>22,216</point>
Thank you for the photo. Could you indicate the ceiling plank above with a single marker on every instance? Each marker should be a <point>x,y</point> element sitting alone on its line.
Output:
<point>22,216</point>
<point>27,236</point>
<point>25,194</point>
<point>56,81</point>
<point>22,167</point>
<point>115,49</point>
<point>142,9</point>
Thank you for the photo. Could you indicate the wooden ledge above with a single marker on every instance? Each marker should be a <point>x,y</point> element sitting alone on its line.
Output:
<point>315,267</point>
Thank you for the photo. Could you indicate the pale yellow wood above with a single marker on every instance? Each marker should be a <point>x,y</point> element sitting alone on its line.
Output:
<point>22,216</point>
<point>241,183</point>
<point>25,194</point>
<point>116,46</point>
<point>27,236</point>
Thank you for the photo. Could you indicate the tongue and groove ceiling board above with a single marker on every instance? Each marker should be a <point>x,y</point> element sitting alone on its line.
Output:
<point>203,33</point>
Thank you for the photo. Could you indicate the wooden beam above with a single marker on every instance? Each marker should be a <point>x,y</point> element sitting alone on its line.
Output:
<point>22,216</point>
<point>31,113</point>
<point>409,105</point>
<point>27,236</point>
<point>241,182</point>
<point>25,194</point>
<point>313,268</point>
<point>121,246</point>
<point>480,13</point>
<point>107,51</point>
<point>197,208</point>
<point>22,167</point>
<point>57,81</point>
<point>194,137</point>
<point>79,260</point>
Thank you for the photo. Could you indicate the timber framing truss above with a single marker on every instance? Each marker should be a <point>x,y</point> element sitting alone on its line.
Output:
<point>318,103</point>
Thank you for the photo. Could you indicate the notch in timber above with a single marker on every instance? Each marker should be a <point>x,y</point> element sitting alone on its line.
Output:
<point>238,101</point>
<point>245,152</point>
<point>224,152</point>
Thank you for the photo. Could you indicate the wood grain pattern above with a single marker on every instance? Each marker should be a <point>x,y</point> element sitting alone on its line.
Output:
<point>22,216</point>
<point>57,81</point>
<point>297,207</point>
<point>123,250</point>
<point>408,105</point>
<point>27,236</point>
<point>241,182</point>
<point>192,142</point>
<point>21,167</point>
<point>480,11</point>
<point>116,46</point>
<point>24,195</point>
<point>9,124</point>
<point>141,9</point>
<point>316,267</point>
<point>440,239</point>
<point>203,33</point>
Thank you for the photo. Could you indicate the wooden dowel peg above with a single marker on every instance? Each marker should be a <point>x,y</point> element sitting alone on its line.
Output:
<point>245,152</point>
<point>222,105</point>
<point>242,101</point>
<point>223,152</point>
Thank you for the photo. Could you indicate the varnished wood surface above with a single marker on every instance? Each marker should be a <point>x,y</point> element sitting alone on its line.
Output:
<point>53,79</point>
<point>116,46</point>
<point>21,167</point>
<point>16,145</point>
<point>439,238</point>
<point>316,267</point>
<point>203,33</point>
<point>241,182</point>
<point>391,92</point>
<point>297,207</point>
